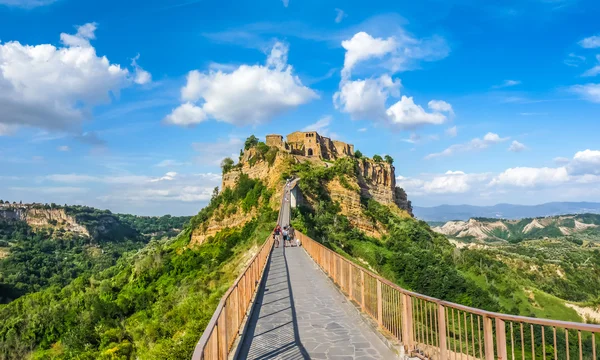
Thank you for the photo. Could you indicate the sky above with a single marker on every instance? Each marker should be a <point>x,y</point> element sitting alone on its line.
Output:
<point>131,105</point>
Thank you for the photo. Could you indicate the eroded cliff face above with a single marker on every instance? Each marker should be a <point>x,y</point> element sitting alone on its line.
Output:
<point>223,218</point>
<point>378,181</point>
<point>40,218</point>
<point>350,205</point>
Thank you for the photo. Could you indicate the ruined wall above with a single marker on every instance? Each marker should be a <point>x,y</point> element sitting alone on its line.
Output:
<point>275,140</point>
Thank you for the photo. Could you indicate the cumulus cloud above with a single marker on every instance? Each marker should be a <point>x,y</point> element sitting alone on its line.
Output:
<point>399,52</point>
<point>473,145</point>
<point>405,114</point>
<point>590,92</point>
<point>590,42</point>
<point>249,95</point>
<point>585,162</point>
<point>55,88</point>
<point>516,146</point>
<point>531,177</point>
<point>366,99</point>
<point>339,15</point>
<point>363,46</point>
<point>451,182</point>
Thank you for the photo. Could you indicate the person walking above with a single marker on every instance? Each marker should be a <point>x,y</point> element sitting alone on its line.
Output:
<point>285,236</point>
<point>292,235</point>
<point>276,235</point>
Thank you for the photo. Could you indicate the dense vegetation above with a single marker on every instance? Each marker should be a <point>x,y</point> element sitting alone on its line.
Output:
<point>411,255</point>
<point>153,304</point>
<point>155,226</point>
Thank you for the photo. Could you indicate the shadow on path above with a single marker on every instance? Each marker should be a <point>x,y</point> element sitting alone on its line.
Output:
<point>273,328</point>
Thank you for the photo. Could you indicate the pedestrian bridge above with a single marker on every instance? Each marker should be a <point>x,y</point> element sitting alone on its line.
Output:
<point>311,303</point>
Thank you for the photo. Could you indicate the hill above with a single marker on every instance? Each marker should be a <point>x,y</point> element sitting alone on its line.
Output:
<point>504,211</point>
<point>581,226</point>
<point>154,303</point>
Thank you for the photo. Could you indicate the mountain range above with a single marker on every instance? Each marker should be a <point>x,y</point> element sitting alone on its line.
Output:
<point>503,211</point>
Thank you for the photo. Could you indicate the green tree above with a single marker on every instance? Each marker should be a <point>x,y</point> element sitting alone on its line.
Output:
<point>227,165</point>
<point>358,154</point>
<point>377,158</point>
<point>251,141</point>
<point>389,159</point>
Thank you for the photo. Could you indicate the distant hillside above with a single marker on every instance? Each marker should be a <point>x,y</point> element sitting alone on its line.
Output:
<point>486,229</point>
<point>503,211</point>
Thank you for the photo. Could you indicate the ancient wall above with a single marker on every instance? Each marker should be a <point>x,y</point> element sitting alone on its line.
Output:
<point>275,140</point>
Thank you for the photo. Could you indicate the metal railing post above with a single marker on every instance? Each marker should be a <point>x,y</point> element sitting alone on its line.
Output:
<point>501,339</point>
<point>407,322</point>
<point>488,338</point>
<point>379,304</point>
<point>442,332</point>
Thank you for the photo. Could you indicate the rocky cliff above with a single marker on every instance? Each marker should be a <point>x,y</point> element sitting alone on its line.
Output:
<point>377,180</point>
<point>40,218</point>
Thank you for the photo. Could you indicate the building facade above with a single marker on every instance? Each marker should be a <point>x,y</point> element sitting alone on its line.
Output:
<point>311,144</point>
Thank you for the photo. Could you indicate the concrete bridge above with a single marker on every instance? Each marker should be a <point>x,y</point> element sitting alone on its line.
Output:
<point>310,303</point>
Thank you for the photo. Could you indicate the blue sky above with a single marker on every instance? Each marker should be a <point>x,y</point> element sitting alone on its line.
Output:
<point>131,105</point>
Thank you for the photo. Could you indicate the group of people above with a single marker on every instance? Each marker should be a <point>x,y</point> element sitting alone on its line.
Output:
<point>288,234</point>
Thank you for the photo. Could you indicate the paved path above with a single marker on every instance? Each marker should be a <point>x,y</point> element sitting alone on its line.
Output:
<point>300,315</point>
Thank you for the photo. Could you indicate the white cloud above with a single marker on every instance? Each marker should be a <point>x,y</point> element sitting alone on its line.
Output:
<point>452,131</point>
<point>339,15</point>
<point>590,42</point>
<point>27,4</point>
<point>286,3</point>
<point>405,114</point>
<point>593,71</point>
<point>362,129</point>
<point>473,145</point>
<point>585,162</point>
<point>63,148</point>
<point>212,153</point>
<point>321,126</point>
<point>249,95</point>
<point>574,60</point>
<point>171,175</point>
<point>399,52</point>
<point>186,114</point>
<point>451,182</point>
<point>141,76</point>
<point>516,146</point>
<point>55,88</point>
<point>531,177</point>
<point>590,92</point>
<point>363,46</point>
<point>507,83</point>
<point>365,99</point>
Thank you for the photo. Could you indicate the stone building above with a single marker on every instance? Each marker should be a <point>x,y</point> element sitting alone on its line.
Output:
<point>310,143</point>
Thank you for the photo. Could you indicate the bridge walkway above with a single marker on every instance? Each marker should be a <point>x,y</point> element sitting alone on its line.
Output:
<point>300,315</point>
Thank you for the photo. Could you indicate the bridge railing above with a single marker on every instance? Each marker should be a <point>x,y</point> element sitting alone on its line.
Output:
<point>226,323</point>
<point>435,329</point>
